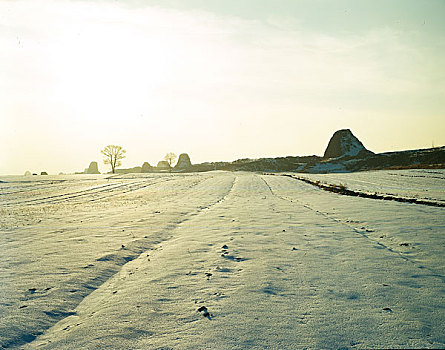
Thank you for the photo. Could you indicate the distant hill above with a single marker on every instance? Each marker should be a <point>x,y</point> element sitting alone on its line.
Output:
<point>344,153</point>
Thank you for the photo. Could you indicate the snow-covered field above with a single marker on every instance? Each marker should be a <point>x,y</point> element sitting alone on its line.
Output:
<point>220,260</point>
<point>427,184</point>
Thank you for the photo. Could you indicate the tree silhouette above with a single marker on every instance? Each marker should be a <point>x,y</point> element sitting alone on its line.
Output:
<point>170,157</point>
<point>113,155</point>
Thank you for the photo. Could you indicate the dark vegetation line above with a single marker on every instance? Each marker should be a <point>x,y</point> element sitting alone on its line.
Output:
<point>341,189</point>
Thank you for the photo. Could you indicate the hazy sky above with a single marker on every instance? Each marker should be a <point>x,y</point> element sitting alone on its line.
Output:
<point>218,79</point>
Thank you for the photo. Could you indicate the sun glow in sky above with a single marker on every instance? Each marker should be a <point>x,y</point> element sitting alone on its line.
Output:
<point>217,79</point>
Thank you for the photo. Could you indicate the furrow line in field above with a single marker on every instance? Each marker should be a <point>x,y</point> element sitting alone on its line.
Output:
<point>87,192</point>
<point>33,187</point>
<point>127,188</point>
<point>77,193</point>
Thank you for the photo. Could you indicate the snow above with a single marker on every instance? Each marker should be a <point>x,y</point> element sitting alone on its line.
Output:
<point>350,146</point>
<point>418,183</point>
<point>271,262</point>
<point>328,168</point>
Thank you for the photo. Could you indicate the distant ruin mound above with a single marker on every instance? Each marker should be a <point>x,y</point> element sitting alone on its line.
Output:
<point>163,166</point>
<point>27,173</point>
<point>344,143</point>
<point>92,169</point>
<point>43,173</point>
<point>146,168</point>
<point>184,162</point>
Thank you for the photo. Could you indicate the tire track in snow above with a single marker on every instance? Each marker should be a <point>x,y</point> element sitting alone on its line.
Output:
<point>210,271</point>
<point>105,267</point>
<point>223,198</point>
<point>360,232</point>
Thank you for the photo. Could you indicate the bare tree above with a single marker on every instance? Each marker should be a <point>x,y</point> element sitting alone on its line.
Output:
<point>170,157</point>
<point>113,156</point>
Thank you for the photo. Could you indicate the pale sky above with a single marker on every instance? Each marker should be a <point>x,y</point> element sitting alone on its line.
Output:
<point>217,79</point>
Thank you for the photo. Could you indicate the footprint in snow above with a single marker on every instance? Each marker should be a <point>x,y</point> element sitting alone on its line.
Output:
<point>225,254</point>
<point>224,250</point>
<point>205,312</point>
<point>231,257</point>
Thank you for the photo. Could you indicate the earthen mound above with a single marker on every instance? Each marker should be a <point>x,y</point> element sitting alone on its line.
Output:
<point>163,165</point>
<point>92,169</point>
<point>146,168</point>
<point>344,143</point>
<point>184,162</point>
